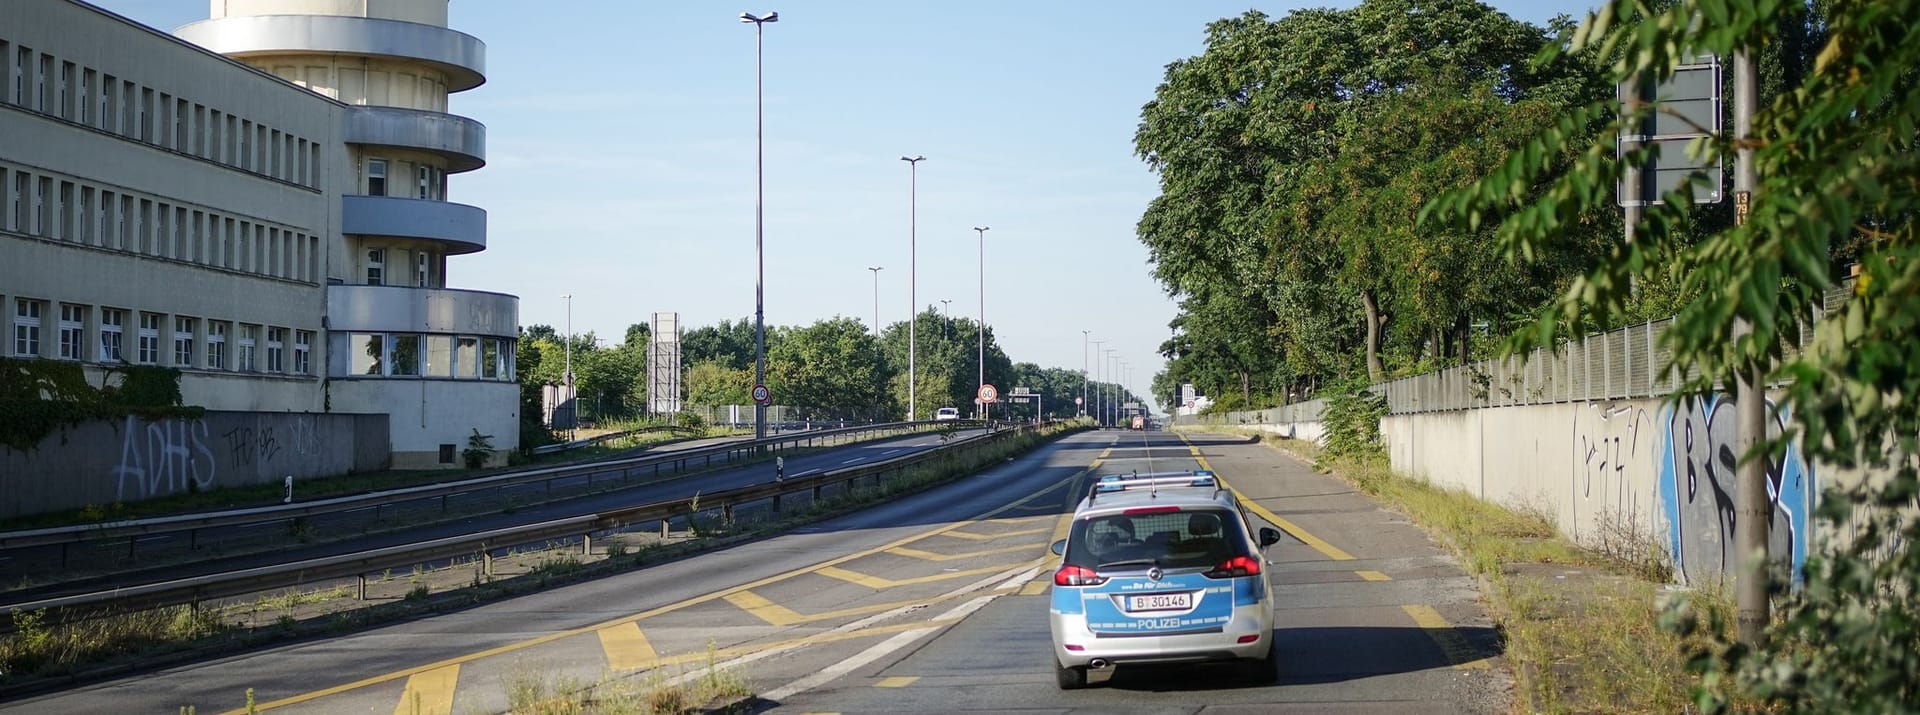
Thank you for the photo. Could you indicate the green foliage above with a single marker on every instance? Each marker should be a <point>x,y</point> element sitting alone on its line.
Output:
<point>831,369</point>
<point>714,383</point>
<point>1294,156</point>
<point>40,397</point>
<point>479,449</point>
<point>1352,419</point>
<point>1838,180</point>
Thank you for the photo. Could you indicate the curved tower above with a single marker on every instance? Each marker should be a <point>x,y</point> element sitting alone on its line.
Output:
<point>438,361</point>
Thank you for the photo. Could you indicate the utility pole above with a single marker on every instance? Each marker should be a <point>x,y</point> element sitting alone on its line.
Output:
<point>1752,512</point>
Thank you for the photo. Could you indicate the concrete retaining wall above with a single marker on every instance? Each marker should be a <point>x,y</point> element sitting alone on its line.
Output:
<point>1300,420</point>
<point>131,459</point>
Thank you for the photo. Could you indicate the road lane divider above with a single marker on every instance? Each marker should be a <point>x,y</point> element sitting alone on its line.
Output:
<point>429,692</point>
<point>1459,653</point>
<point>763,609</point>
<point>634,618</point>
<point>1314,542</point>
<point>881,584</point>
<point>1373,576</point>
<point>626,647</point>
<point>989,537</point>
<point>931,556</point>
<point>898,681</point>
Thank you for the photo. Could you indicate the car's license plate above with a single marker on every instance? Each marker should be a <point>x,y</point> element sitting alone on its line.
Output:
<point>1160,602</point>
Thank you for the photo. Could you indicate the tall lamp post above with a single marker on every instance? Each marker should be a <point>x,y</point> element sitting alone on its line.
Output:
<point>913,269</point>
<point>981,329</point>
<point>566,378</point>
<point>1085,335</point>
<point>1093,404</point>
<point>1113,357</point>
<point>876,298</point>
<point>759,216</point>
<point>946,320</point>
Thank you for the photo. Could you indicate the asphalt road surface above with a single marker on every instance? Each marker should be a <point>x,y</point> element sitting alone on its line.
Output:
<point>933,603</point>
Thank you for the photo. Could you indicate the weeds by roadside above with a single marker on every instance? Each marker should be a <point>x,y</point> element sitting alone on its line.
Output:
<point>533,692</point>
<point>1579,621</point>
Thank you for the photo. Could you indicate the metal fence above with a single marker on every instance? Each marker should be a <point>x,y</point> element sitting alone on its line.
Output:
<point>1627,363</point>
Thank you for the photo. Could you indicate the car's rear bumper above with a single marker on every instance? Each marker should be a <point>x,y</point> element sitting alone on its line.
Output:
<point>1223,644</point>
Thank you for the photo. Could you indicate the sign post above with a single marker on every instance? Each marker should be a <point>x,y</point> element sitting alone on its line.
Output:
<point>988,394</point>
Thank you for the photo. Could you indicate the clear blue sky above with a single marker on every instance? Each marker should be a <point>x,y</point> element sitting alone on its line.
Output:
<point>621,159</point>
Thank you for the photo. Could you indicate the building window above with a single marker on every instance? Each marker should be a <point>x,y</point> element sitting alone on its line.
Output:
<point>113,324</point>
<point>376,177</point>
<point>302,352</point>
<point>149,339</point>
<point>420,272</point>
<point>26,327</point>
<point>489,359</point>
<point>425,175</point>
<point>439,356</point>
<point>376,266</point>
<point>216,345</point>
<point>73,331</point>
<point>369,353</point>
<point>466,358</point>
<point>183,341</point>
<point>406,355</point>
<point>276,352</point>
<point>248,335</point>
<point>84,99</point>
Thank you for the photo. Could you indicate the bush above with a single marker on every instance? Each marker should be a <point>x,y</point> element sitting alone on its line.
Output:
<point>1353,420</point>
<point>479,448</point>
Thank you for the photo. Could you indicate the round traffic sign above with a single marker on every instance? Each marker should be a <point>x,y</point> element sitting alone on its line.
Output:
<point>988,393</point>
<point>1079,401</point>
<point>762,395</point>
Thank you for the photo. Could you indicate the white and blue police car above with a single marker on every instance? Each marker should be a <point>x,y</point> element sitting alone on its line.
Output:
<point>1158,569</point>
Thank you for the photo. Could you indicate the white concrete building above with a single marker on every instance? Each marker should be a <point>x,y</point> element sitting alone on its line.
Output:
<point>261,202</point>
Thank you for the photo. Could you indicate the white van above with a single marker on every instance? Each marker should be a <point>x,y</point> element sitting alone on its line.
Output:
<point>947,413</point>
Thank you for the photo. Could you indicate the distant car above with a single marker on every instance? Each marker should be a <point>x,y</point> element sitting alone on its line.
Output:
<point>947,413</point>
<point>1139,423</point>
<point>1159,569</point>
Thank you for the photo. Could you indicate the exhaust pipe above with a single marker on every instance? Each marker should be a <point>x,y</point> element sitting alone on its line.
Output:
<point>1099,664</point>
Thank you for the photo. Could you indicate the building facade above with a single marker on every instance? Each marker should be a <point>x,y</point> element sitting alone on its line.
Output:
<point>261,202</point>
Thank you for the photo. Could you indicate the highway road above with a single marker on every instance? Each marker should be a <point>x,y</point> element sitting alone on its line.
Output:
<point>932,603</point>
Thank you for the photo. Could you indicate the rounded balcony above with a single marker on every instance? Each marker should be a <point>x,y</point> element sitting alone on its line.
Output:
<point>461,227</point>
<point>459,140</point>
<point>462,57</point>
<point>398,309</point>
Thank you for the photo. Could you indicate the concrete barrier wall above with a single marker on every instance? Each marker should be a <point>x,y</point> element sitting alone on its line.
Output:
<point>132,459</point>
<point>1603,470</point>
<point>1300,420</point>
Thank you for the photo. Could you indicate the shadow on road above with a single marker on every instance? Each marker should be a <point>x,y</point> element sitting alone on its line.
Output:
<point>1317,655</point>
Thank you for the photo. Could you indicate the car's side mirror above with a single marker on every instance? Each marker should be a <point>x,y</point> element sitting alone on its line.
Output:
<point>1269,536</point>
<point>1059,548</point>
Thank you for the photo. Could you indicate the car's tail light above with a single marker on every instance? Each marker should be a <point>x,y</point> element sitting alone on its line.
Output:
<point>1077,576</point>
<point>1233,567</point>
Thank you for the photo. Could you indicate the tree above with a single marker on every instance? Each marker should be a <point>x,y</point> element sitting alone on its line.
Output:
<point>713,383</point>
<point>1293,158</point>
<point>730,343</point>
<point>831,369</point>
<point>1838,179</point>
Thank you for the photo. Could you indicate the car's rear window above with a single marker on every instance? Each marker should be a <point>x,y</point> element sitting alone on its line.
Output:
<point>1181,539</point>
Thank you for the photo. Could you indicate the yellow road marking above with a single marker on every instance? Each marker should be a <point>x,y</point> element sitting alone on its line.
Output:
<point>631,618</point>
<point>878,583</point>
<point>1459,653</point>
<point>429,692</point>
<point>931,556</point>
<point>815,639</point>
<point>1318,544</point>
<point>898,681</point>
<point>1373,576</point>
<point>626,647</point>
<point>990,537</point>
<point>764,609</point>
<point>1034,588</point>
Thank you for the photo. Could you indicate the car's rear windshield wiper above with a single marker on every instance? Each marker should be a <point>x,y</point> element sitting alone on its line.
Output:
<point>1128,563</point>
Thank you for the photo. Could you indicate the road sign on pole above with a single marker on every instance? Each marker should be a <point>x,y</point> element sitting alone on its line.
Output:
<point>762,395</point>
<point>1687,107</point>
<point>1079,400</point>
<point>988,394</point>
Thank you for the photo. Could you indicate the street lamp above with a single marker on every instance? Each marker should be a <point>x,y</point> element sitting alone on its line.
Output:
<point>876,298</point>
<point>1097,392</point>
<point>1113,356</point>
<point>981,330</point>
<point>913,268</point>
<point>566,378</point>
<point>759,218</point>
<point>1084,336</point>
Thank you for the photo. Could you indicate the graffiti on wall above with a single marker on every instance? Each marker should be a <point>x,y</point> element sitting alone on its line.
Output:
<point>1607,446</point>
<point>1698,489</point>
<point>163,457</point>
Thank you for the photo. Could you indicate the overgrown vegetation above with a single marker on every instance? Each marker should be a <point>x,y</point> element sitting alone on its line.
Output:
<point>1838,181</point>
<point>40,397</point>
<point>533,692</point>
<point>1352,419</point>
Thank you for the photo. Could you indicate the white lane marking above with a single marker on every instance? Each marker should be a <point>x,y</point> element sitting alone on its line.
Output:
<point>876,652</point>
<point>855,459</point>
<point>890,451</point>
<point>805,473</point>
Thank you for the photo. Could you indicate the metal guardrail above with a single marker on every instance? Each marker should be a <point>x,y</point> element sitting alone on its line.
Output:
<point>192,523</point>
<point>609,437</point>
<point>312,571</point>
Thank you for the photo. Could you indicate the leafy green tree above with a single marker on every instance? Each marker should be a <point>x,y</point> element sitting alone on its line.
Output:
<point>1838,179</point>
<point>730,343</point>
<point>713,383</point>
<point>831,369</point>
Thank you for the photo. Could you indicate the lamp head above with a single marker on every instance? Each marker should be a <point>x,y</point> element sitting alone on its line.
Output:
<point>913,159</point>
<point>769,17</point>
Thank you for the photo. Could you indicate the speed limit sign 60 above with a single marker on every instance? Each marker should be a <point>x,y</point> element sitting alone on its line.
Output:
<point>762,395</point>
<point>988,393</point>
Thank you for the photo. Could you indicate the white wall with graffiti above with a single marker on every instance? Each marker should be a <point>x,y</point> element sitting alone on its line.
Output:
<point>1604,468</point>
<point>132,459</point>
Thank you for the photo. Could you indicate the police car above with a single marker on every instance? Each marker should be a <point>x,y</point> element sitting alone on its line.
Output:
<point>1160,568</point>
